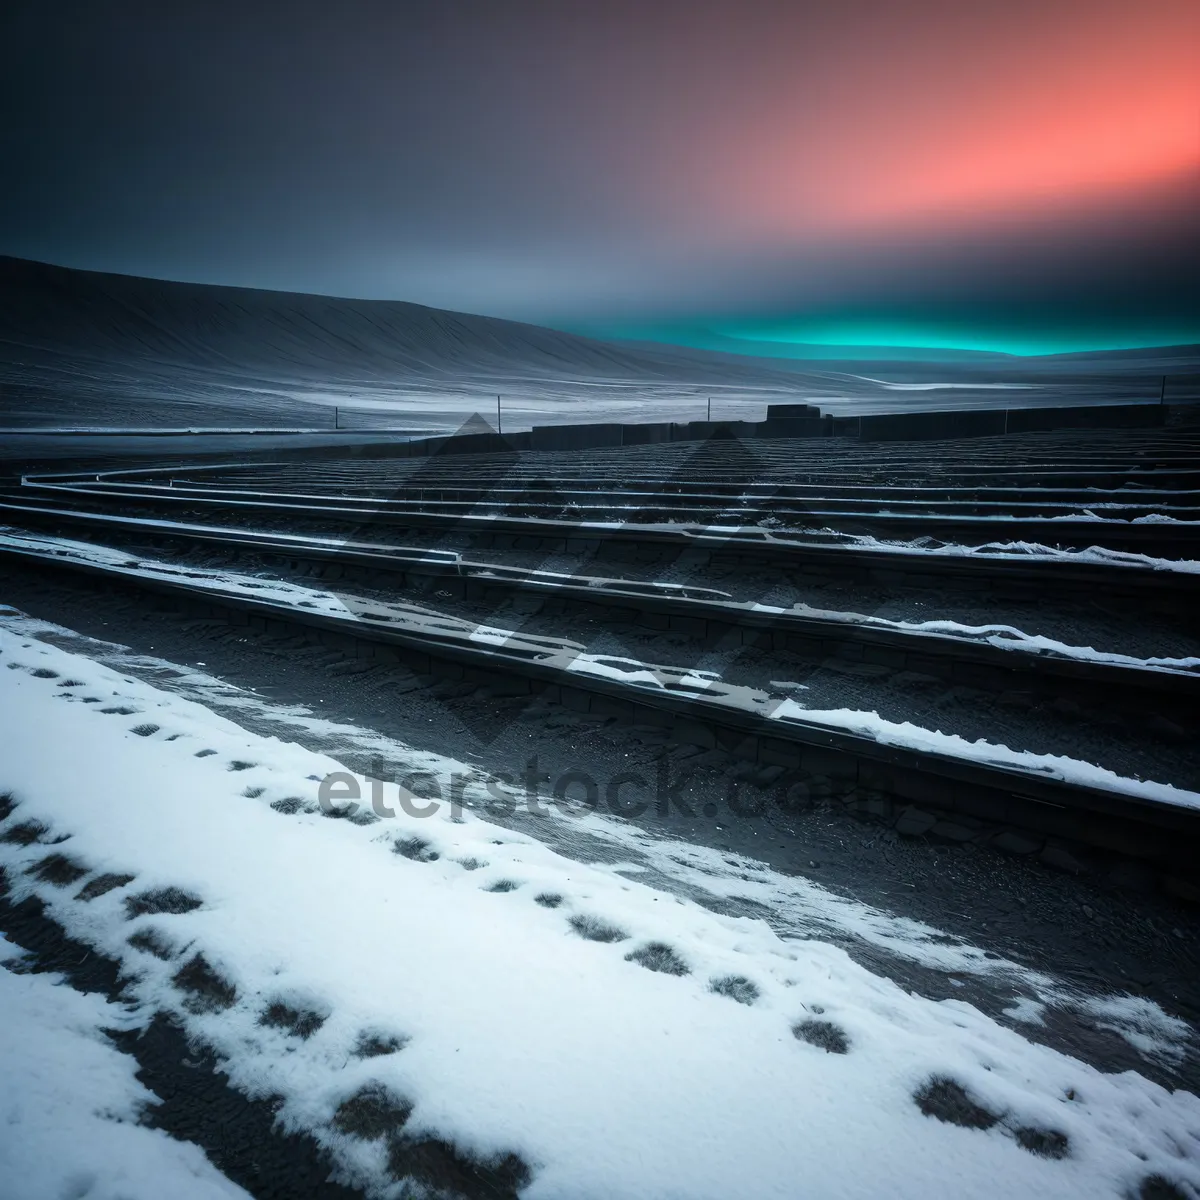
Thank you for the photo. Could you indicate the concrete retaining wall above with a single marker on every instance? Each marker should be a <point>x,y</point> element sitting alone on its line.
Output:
<point>783,421</point>
<point>794,427</point>
<point>1099,416</point>
<point>995,422</point>
<point>645,435</point>
<point>791,411</point>
<point>699,431</point>
<point>921,426</point>
<point>574,437</point>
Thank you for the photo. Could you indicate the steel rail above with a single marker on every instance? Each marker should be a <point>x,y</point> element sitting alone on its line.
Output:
<point>1165,834</point>
<point>704,613</point>
<point>1177,536</point>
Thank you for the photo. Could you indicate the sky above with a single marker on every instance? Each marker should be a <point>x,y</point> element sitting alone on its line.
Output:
<point>750,175</point>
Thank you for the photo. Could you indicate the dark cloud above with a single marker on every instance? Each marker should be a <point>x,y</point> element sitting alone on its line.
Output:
<point>619,163</point>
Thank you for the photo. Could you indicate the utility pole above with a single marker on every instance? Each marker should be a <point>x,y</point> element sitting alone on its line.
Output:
<point>335,416</point>
<point>499,426</point>
<point>1162,394</point>
<point>710,408</point>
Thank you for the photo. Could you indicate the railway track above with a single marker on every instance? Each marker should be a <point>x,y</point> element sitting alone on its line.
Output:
<point>705,614</point>
<point>1169,529</point>
<point>994,568</point>
<point>855,767</point>
<point>467,594</point>
<point>1132,491</point>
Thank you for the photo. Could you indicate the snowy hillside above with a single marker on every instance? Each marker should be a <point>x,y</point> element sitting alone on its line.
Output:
<point>78,347</point>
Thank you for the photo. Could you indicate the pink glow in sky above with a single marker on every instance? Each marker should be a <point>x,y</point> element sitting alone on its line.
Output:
<point>963,118</point>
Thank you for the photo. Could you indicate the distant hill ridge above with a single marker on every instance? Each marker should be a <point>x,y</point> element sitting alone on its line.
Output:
<point>310,338</point>
<point>87,349</point>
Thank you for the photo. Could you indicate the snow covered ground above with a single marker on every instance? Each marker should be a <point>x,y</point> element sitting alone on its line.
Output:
<point>69,1103</point>
<point>445,976</point>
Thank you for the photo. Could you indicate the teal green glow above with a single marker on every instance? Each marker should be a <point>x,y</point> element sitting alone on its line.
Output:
<point>882,338</point>
<point>903,335</point>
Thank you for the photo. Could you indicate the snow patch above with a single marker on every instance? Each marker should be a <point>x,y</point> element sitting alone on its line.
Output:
<point>507,1031</point>
<point>70,1103</point>
<point>1053,766</point>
